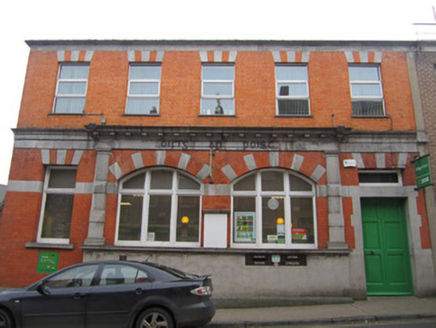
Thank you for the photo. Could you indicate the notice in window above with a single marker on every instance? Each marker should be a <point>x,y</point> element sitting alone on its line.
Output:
<point>245,231</point>
<point>299,234</point>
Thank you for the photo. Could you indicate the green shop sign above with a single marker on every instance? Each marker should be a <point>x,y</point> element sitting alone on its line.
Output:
<point>422,170</point>
<point>48,262</point>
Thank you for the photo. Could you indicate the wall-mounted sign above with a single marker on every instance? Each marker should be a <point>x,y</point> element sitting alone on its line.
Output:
<point>350,163</point>
<point>279,259</point>
<point>422,170</point>
<point>48,262</point>
<point>258,259</point>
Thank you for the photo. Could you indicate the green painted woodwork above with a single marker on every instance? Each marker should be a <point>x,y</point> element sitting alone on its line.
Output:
<point>386,247</point>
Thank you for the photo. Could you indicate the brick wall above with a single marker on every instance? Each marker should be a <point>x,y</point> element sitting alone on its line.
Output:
<point>255,101</point>
<point>425,62</point>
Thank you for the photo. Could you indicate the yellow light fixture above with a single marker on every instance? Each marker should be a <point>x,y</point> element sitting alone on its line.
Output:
<point>280,221</point>
<point>185,219</point>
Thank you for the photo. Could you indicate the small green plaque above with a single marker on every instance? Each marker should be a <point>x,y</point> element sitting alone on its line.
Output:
<point>48,262</point>
<point>422,170</point>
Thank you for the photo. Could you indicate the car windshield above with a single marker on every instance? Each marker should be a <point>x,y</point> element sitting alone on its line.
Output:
<point>172,271</point>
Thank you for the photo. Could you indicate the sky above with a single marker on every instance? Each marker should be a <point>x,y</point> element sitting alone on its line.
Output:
<point>22,20</point>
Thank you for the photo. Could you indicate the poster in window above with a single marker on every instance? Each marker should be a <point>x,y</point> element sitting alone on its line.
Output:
<point>299,234</point>
<point>245,231</point>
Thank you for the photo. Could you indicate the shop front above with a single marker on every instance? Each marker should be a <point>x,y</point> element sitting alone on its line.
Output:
<point>267,212</point>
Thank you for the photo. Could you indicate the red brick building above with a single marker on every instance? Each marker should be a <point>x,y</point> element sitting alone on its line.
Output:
<point>282,168</point>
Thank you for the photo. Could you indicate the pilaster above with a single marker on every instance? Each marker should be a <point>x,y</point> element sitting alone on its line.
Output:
<point>335,213</point>
<point>97,215</point>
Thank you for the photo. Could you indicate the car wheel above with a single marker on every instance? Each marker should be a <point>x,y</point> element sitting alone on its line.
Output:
<point>155,318</point>
<point>5,320</point>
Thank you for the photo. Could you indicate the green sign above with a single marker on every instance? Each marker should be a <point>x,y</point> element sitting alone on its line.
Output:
<point>48,262</point>
<point>422,169</point>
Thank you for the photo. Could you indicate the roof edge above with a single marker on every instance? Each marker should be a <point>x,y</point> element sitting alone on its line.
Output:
<point>228,43</point>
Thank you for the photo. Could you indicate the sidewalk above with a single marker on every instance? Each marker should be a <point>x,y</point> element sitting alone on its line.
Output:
<point>371,310</point>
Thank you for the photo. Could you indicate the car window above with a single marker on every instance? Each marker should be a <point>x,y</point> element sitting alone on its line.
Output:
<point>74,277</point>
<point>116,274</point>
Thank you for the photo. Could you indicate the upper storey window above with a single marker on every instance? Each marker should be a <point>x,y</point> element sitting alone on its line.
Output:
<point>292,90</point>
<point>217,97</point>
<point>71,88</point>
<point>366,91</point>
<point>144,89</point>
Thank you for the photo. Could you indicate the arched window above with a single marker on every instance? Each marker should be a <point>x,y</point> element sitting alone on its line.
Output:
<point>273,209</point>
<point>159,207</point>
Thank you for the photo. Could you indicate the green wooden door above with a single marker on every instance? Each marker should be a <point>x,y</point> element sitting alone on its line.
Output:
<point>386,247</point>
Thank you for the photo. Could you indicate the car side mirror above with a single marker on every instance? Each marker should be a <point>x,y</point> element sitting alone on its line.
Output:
<point>43,289</point>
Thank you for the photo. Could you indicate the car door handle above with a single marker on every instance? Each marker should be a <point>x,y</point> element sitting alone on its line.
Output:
<point>78,296</point>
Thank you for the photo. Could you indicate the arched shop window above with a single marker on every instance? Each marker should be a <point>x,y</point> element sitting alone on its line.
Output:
<point>274,209</point>
<point>159,207</point>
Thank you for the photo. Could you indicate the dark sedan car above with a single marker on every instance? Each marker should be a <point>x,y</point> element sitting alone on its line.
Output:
<point>110,294</point>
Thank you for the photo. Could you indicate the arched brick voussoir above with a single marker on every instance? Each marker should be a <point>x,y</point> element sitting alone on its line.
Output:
<point>244,163</point>
<point>129,162</point>
<point>310,165</point>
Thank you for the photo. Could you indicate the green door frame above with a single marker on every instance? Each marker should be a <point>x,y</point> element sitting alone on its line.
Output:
<point>386,247</point>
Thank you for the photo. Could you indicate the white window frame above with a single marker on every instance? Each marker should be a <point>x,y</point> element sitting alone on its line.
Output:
<point>144,96</point>
<point>147,192</point>
<point>355,98</point>
<point>217,97</point>
<point>70,95</point>
<point>287,194</point>
<point>46,191</point>
<point>290,97</point>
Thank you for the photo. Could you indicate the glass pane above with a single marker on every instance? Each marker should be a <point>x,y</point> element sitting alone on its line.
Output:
<point>142,106</point>
<point>366,90</point>
<point>74,72</point>
<point>137,182</point>
<point>298,184</point>
<point>218,73</point>
<point>248,183</point>
<point>145,72</point>
<point>291,73</point>
<point>144,88</point>
<point>302,221</point>
<point>159,217</point>
<point>217,106</point>
<point>116,274</point>
<point>368,108</point>
<point>272,181</point>
<point>273,214</point>
<point>188,219</point>
<point>292,89</point>
<point>57,216</point>
<point>364,73</point>
<point>188,183</point>
<point>161,180</point>
<point>217,89</point>
<point>130,217</point>
<point>244,210</point>
<point>378,177</point>
<point>70,105</point>
<point>72,88</point>
<point>75,277</point>
<point>62,179</point>
<point>293,107</point>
